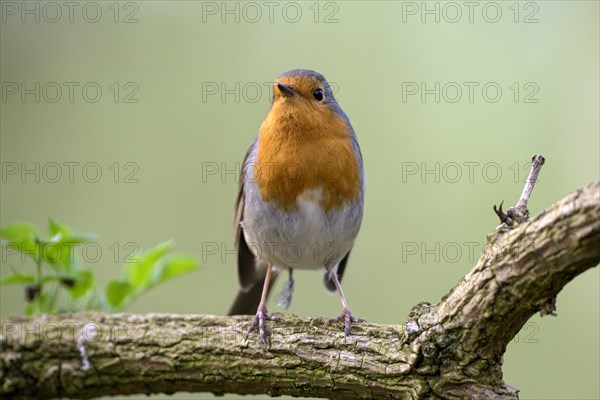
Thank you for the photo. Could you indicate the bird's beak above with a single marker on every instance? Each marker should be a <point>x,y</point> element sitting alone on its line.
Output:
<point>285,90</point>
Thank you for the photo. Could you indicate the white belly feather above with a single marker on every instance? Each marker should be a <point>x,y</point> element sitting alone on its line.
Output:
<point>308,238</point>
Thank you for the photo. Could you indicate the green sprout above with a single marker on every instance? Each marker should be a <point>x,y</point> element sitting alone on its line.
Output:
<point>59,274</point>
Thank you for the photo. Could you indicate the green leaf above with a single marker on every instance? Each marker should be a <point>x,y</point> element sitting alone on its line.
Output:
<point>62,254</point>
<point>54,253</point>
<point>173,267</point>
<point>57,231</point>
<point>116,292</point>
<point>18,230</point>
<point>59,249</point>
<point>77,239</point>
<point>50,278</point>
<point>21,236</point>
<point>17,279</point>
<point>84,280</point>
<point>139,273</point>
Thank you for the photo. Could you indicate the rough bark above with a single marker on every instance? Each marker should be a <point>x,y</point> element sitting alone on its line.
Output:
<point>451,350</point>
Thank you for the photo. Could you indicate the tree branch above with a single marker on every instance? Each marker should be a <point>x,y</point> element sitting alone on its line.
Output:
<point>451,350</point>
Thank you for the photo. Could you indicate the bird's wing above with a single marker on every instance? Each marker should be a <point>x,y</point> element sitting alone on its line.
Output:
<point>251,276</point>
<point>246,262</point>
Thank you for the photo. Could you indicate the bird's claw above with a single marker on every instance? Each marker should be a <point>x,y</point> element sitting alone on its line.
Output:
<point>348,319</point>
<point>259,321</point>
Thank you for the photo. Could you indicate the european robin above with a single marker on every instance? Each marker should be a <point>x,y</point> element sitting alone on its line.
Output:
<point>301,195</point>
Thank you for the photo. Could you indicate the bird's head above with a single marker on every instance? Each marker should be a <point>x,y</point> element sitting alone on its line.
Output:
<point>303,102</point>
<point>302,85</point>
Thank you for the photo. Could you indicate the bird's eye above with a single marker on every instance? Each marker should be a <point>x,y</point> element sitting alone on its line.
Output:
<point>318,94</point>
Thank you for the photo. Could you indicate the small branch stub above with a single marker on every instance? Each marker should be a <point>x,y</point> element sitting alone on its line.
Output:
<point>519,213</point>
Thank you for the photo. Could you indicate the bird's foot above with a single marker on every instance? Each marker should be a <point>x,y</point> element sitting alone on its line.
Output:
<point>259,321</point>
<point>348,319</point>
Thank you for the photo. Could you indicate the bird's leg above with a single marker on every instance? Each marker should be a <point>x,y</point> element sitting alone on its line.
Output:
<point>285,297</point>
<point>261,312</point>
<point>346,316</point>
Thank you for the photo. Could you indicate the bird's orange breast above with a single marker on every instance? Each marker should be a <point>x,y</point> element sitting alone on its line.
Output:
<point>306,152</point>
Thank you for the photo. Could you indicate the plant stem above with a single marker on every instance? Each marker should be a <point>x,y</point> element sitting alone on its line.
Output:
<point>52,299</point>
<point>38,277</point>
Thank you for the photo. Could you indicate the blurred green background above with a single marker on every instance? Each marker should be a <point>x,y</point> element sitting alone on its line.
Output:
<point>192,87</point>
